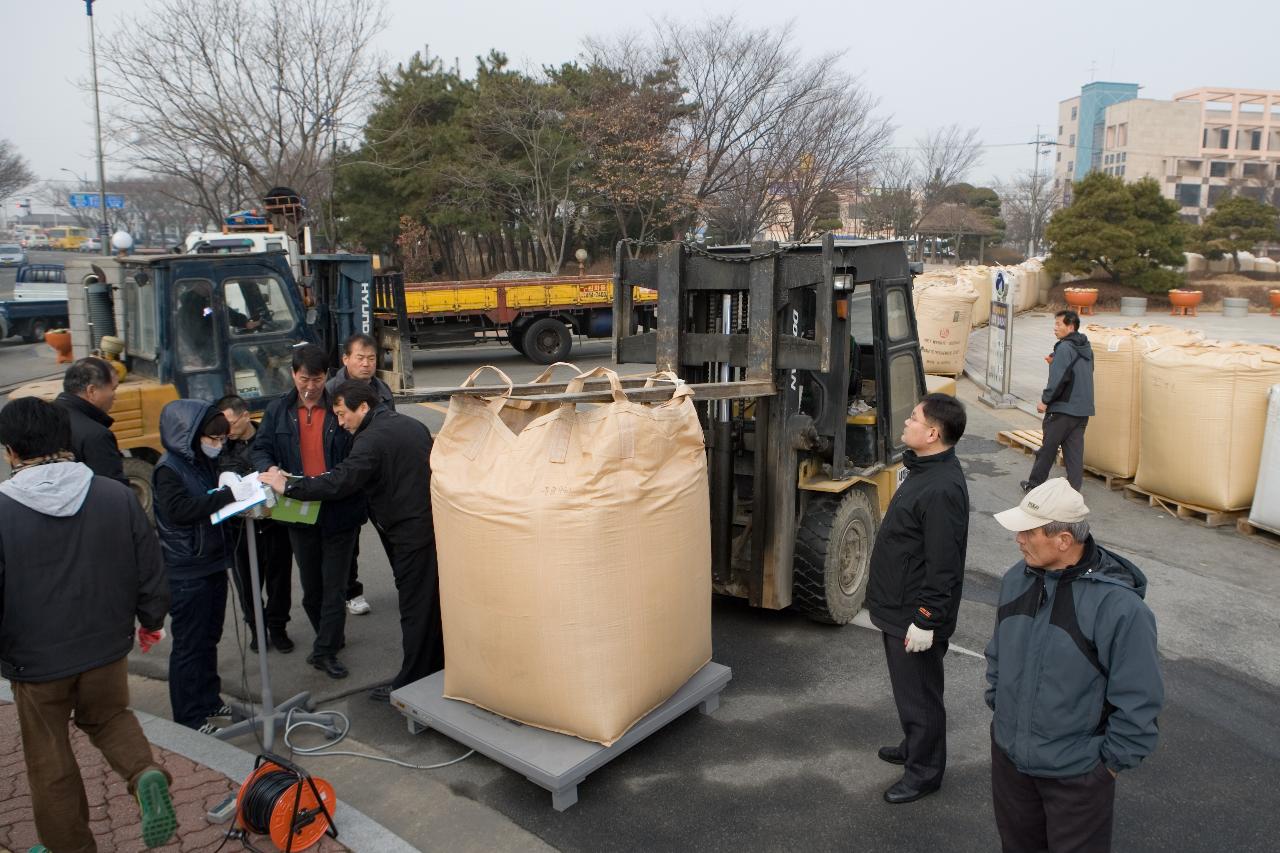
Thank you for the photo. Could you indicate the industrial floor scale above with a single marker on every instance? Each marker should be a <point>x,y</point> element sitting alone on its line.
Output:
<point>554,761</point>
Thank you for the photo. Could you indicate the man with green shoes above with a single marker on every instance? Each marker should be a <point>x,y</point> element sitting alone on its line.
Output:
<point>79,563</point>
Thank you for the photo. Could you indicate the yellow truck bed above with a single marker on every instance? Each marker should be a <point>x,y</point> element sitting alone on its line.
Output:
<point>473,297</point>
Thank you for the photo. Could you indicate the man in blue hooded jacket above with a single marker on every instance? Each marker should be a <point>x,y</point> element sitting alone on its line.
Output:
<point>1073,678</point>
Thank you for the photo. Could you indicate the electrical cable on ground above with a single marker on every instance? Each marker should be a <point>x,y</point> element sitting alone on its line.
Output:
<point>327,749</point>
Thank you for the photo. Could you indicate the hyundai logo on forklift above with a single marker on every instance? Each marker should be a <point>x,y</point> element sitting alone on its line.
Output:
<point>366,308</point>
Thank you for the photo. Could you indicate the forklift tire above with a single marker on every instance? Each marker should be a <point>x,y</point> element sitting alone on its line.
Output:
<point>547,341</point>
<point>138,472</point>
<point>833,556</point>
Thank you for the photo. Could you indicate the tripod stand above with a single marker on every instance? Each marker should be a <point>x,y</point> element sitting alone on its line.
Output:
<point>269,716</point>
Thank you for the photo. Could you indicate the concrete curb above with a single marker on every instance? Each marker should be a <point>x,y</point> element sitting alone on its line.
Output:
<point>356,830</point>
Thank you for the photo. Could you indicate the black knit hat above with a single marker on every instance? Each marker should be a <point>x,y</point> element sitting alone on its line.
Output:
<point>215,424</point>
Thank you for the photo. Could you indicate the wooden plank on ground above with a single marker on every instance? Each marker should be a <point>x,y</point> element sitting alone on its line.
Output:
<point>1187,511</point>
<point>1248,528</point>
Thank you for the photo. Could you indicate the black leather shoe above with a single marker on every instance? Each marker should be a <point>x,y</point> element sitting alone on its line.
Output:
<point>381,694</point>
<point>891,754</point>
<point>1025,485</point>
<point>329,665</point>
<point>253,643</point>
<point>904,792</point>
<point>280,641</point>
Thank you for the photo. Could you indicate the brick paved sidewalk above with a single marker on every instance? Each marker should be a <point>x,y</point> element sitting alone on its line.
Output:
<point>113,814</point>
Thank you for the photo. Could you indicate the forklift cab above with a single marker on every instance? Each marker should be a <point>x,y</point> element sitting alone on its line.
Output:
<point>214,325</point>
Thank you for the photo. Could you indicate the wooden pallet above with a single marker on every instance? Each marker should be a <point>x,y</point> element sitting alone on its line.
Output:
<point>1248,528</point>
<point>1179,509</point>
<point>1114,482</point>
<point>1026,440</point>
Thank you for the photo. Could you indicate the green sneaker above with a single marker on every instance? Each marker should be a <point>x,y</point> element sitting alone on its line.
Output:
<point>158,819</point>
<point>39,848</point>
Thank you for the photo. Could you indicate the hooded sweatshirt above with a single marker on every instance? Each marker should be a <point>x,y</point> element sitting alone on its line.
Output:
<point>1070,387</point>
<point>79,562</point>
<point>186,494</point>
<point>1072,669</point>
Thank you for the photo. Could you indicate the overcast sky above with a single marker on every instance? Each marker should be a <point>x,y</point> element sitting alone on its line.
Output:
<point>999,65</point>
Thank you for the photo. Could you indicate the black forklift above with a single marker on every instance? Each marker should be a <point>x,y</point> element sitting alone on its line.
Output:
<point>805,363</point>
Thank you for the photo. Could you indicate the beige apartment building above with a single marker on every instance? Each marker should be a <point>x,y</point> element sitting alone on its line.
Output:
<point>1201,146</point>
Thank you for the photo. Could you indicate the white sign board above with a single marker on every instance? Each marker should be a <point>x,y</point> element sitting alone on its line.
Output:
<point>1000,340</point>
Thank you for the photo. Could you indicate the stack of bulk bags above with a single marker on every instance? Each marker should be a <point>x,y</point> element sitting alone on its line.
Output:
<point>575,553</point>
<point>1246,261</point>
<point>979,278</point>
<point>1037,280</point>
<point>1204,408</point>
<point>1111,441</point>
<point>1195,262</point>
<point>944,318</point>
<point>1264,265</point>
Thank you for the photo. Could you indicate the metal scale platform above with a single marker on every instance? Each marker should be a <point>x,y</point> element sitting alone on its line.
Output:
<point>554,761</point>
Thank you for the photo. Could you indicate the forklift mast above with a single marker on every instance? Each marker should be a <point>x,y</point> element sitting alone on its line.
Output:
<point>820,339</point>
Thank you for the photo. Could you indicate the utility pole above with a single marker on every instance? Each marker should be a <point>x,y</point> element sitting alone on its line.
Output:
<point>1033,190</point>
<point>97,129</point>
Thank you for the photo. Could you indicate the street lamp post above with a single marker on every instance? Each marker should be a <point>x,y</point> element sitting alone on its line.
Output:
<point>97,126</point>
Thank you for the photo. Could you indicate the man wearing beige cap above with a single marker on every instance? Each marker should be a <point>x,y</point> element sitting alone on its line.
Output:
<point>1073,678</point>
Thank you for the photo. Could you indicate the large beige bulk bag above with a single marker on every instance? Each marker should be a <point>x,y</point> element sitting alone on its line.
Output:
<point>1246,260</point>
<point>1037,279</point>
<point>1111,440</point>
<point>575,554</point>
<point>944,318</point>
<point>1204,408</point>
<point>1195,262</point>
<point>1264,265</point>
<point>978,278</point>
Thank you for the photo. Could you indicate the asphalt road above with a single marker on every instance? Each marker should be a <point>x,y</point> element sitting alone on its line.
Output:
<point>788,761</point>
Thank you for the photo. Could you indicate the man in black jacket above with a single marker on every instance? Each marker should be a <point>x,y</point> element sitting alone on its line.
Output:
<point>360,361</point>
<point>79,563</point>
<point>917,569</point>
<point>391,462</point>
<point>300,434</point>
<point>1066,403</point>
<point>275,554</point>
<point>88,393</point>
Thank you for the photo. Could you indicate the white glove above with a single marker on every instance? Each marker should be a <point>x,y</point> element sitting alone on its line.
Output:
<point>918,639</point>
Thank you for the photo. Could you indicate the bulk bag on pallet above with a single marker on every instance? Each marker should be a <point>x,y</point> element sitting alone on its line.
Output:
<point>979,278</point>
<point>944,317</point>
<point>575,555</point>
<point>1111,440</point>
<point>1204,408</point>
<point>1265,512</point>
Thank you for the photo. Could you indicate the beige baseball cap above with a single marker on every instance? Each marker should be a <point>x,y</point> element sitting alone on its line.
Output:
<point>1053,500</point>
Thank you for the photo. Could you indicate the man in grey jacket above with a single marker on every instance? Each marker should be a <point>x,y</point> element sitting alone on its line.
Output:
<point>79,563</point>
<point>1066,402</point>
<point>1073,678</point>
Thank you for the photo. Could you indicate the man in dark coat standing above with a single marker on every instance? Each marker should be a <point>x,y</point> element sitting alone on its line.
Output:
<point>1066,402</point>
<point>917,570</point>
<point>391,463</point>
<point>88,393</point>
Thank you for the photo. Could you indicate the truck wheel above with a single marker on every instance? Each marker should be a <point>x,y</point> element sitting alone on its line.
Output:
<point>515,337</point>
<point>35,330</point>
<point>833,556</point>
<point>547,341</point>
<point>138,472</point>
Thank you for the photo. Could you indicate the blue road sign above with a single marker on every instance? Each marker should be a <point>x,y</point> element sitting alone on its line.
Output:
<point>114,202</point>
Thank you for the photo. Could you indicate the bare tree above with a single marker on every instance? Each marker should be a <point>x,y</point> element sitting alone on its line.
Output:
<point>827,145</point>
<point>891,205</point>
<point>241,97</point>
<point>746,204</point>
<point>14,172</point>
<point>1026,207</point>
<point>943,158</point>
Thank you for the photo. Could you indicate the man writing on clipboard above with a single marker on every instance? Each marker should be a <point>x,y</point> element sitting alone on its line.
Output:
<point>389,462</point>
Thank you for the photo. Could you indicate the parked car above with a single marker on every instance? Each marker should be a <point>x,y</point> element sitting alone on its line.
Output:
<point>38,241</point>
<point>12,255</point>
<point>91,244</point>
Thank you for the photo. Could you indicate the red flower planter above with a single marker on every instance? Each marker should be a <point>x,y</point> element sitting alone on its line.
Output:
<point>1082,299</point>
<point>1184,301</point>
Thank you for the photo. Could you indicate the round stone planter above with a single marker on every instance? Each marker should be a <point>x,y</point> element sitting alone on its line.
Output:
<point>1133,306</point>
<point>1082,299</point>
<point>1235,306</point>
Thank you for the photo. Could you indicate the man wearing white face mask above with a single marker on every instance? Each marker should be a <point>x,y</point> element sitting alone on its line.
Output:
<point>196,555</point>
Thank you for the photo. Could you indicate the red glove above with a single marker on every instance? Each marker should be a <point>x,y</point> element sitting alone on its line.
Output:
<point>147,639</point>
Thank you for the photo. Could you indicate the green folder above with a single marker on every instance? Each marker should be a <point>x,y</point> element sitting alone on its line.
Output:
<point>294,511</point>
